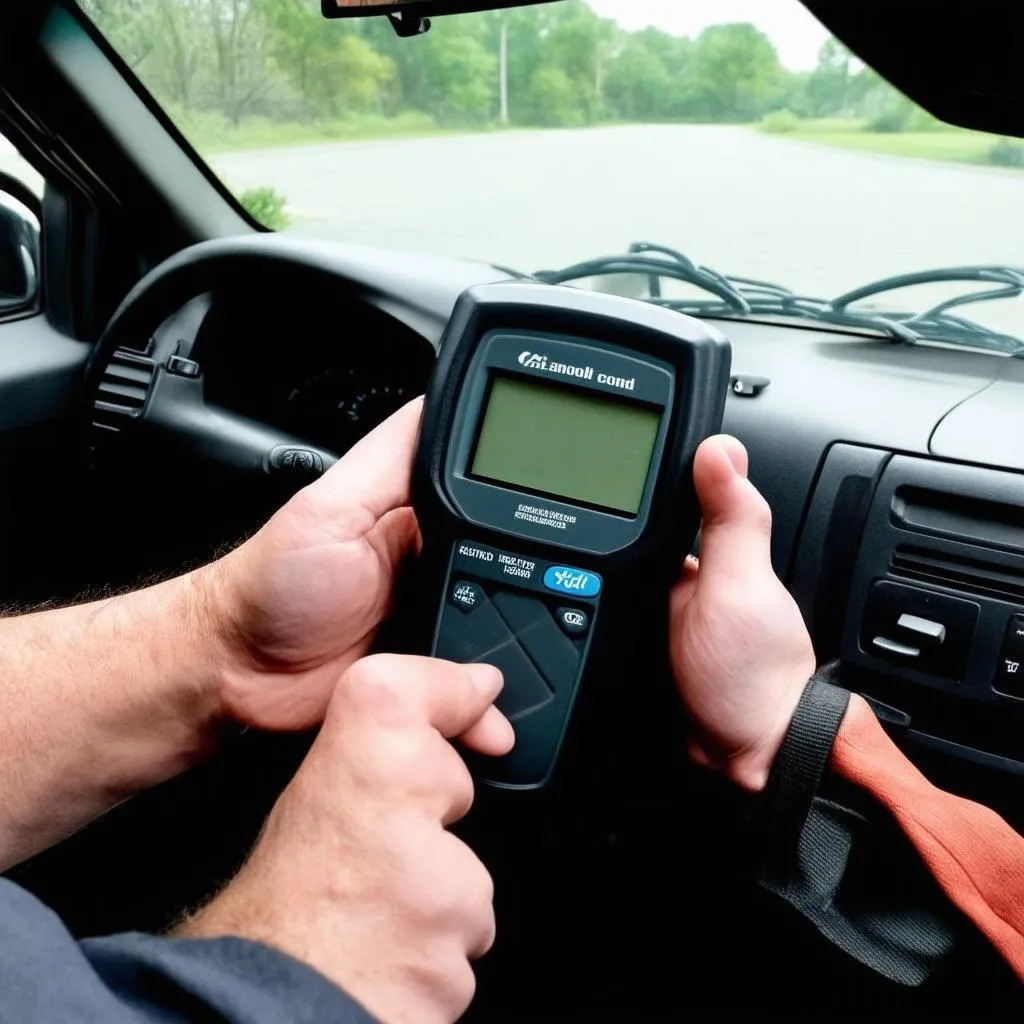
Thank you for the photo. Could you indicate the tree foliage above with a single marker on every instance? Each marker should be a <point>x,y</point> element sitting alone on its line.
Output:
<point>279,60</point>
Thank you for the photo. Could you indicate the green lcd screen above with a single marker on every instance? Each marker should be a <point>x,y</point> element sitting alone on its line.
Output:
<point>567,443</point>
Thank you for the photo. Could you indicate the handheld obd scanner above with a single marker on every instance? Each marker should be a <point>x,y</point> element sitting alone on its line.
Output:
<point>553,486</point>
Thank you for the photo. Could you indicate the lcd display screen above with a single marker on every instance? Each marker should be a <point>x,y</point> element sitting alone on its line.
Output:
<point>567,443</point>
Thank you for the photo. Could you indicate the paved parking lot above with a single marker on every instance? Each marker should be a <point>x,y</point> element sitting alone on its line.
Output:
<point>815,218</point>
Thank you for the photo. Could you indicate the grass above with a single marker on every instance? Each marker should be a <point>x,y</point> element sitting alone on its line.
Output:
<point>965,147</point>
<point>213,133</point>
<point>956,145</point>
<point>266,206</point>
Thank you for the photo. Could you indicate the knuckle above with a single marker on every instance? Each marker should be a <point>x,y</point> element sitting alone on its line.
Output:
<point>464,987</point>
<point>459,787</point>
<point>480,901</point>
<point>488,935</point>
<point>443,974</point>
<point>459,985</point>
<point>404,760</point>
<point>373,686</point>
<point>475,892</point>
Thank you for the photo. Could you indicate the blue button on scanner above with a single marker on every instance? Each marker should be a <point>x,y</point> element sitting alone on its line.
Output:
<point>563,580</point>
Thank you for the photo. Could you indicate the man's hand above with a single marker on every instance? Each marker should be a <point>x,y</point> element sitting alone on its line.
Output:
<point>105,699</point>
<point>355,873</point>
<point>740,650</point>
<point>302,600</point>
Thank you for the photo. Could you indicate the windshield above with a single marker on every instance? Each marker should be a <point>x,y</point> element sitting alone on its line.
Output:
<point>734,132</point>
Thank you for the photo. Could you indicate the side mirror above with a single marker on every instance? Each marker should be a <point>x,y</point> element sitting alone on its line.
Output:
<point>19,247</point>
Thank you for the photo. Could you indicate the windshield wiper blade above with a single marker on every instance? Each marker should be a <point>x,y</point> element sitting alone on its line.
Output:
<point>749,297</point>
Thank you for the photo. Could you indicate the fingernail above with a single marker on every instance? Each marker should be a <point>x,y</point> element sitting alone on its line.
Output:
<point>487,679</point>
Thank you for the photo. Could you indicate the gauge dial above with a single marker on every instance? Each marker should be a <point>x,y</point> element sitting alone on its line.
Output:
<point>338,405</point>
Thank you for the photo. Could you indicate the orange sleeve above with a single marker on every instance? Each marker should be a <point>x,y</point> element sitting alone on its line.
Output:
<point>974,855</point>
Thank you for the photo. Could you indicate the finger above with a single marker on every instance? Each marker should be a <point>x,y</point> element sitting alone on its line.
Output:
<point>376,474</point>
<point>473,892</point>
<point>492,736</point>
<point>403,690</point>
<point>736,534</point>
<point>455,790</point>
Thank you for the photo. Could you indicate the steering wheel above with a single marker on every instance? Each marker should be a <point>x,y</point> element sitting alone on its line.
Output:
<point>136,375</point>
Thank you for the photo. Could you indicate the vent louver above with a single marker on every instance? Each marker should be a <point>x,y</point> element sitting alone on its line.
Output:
<point>969,575</point>
<point>122,392</point>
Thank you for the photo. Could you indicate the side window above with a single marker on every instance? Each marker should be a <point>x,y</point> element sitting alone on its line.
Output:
<point>21,190</point>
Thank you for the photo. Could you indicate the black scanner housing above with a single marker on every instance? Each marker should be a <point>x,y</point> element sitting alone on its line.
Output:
<point>510,618</point>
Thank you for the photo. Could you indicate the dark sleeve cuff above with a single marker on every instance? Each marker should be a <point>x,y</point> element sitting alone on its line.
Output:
<point>226,979</point>
<point>138,979</point>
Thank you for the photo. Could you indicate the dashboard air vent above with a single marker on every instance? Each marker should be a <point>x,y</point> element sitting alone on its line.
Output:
<point>122,392</point>
<point>967,575</point>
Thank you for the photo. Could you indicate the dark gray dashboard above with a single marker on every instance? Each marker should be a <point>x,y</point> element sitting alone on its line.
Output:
<point>852,433</point>
<point>899,524</point>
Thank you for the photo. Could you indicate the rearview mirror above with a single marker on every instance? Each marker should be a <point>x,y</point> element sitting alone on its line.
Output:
<point>414,12</point>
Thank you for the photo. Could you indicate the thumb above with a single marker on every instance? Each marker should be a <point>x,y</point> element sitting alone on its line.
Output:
<point>736,534</point>
<point>374,474</point>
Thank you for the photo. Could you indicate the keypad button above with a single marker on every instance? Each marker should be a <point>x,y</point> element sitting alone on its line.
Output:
<point>467,596</point>
<point>574,621</point>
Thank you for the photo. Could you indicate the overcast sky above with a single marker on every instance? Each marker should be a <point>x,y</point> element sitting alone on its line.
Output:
<point>796,34</point>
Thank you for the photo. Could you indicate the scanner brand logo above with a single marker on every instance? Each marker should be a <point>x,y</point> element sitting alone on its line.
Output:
<point>535,361</point>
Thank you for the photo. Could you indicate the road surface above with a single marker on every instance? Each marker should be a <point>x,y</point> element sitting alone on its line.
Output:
<point>815,218</point>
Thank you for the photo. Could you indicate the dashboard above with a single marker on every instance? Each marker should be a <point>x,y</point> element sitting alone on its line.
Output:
<point>328,377</point>
<point>892,471</point>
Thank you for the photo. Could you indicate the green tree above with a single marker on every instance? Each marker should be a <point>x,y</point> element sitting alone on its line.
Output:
<point>830,87</point>
<point>576,42</point>
<point>638,84</point>
<point>553,98</point>
<point>126,24</point>
<point>737,73</point>
<point>676,54</point>
<point>304,48</point>
<point>464,75</point>
<point>177,60</point>
<point>240,37</point>
<point>361,76</point>
<point>566,65</point>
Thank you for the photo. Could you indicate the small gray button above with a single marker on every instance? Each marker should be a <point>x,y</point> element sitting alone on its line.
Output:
<point>574,621</point>
<point>892,647</point>
<point>924,627</point>
<point>182,367</point>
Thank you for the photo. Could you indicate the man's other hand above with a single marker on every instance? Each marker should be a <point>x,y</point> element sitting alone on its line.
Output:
<point>301,601</point>
<point>740,650</point>
<point>355,872</point>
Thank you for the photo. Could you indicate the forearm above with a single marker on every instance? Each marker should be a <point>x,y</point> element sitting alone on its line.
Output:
<point>98,702</point>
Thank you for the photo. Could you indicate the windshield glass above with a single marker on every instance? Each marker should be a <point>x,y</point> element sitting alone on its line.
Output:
<point>736,132</point>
